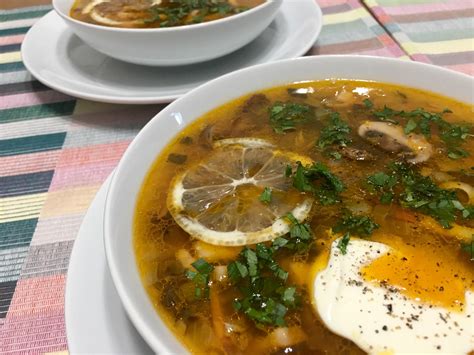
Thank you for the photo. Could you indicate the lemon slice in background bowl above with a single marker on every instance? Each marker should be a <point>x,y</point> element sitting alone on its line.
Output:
<point>218,200</point>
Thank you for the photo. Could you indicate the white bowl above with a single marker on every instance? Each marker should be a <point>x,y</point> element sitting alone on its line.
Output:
<point>142,152</point>
<point>174,45</point>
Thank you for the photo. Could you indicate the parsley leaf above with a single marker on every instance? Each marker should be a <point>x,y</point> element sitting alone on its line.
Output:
<point>236,270</point>
<point>368,103</point>
<point>359,225</point>
<point>422,194</point>
<point>251,260</point>
<point>383,183</point>
<point>419,120</point>
<point>386,114</point>
<point>299,238</point>
<point>410,126</point>
<point>335,155</point>
<point>454,136</point>
<point>343,242</point>
<point>469,248</point>
<point>261,281</point>
<point>288,296</point>
<point>284,116</point>
<point>266,195</point>
<point>335,132</point>
<point>318,180</point>
<point>200,277</point>
<point>182,12</point>
<point>457,153</point>
<point>410,189</point>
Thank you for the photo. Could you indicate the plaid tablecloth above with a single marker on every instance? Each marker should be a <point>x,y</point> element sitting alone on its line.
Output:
<point>56,151</point>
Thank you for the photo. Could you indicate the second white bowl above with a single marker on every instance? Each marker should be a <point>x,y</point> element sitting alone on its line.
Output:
<point>174,45</point>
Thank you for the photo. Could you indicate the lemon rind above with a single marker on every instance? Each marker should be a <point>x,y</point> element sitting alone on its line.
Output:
<point>245,142</point>
<point>280,227</point>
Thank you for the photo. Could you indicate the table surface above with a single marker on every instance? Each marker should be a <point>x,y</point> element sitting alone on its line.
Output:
<point>55,150</point>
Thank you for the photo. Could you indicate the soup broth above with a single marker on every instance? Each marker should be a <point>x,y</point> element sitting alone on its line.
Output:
<point>156,13</point>
<point>405,159</point>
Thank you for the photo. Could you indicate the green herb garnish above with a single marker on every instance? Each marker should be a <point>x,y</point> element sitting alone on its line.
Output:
<point>336,132</point>
<point>200,277</point>
<point>351,224</point>
<point>318,180</point>
<point>358,225</point>
<point>266,195</point>
<point>384,184</point>
<point>469,248</point>
<point>183,12</point>
<point>421,121</point>
<point>343,242</point>
<point>284,116</point>
<point>410,189</point>
<point>368,103</point>
<point>299,239</point>
<point>386,114</point>
<point>266,298</point>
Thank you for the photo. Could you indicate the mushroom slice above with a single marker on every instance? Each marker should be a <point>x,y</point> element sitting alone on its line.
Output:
<point>392,138</point>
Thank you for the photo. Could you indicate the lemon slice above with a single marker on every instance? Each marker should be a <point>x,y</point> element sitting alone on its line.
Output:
<point>217,201</point>
<point>128,16</point>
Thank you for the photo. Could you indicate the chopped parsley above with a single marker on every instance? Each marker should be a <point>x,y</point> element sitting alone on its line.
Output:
<point>469,248</point>
<point>284,116</point>
<point>299,239</point>
<point>421,121</point>
<point>336,132</point>
<point>335,155</point>
<point>422,194</point>
<point>358,225</point>
<point>351,224</point>
<point>386,114</point>
<point>262,282</point>
<point>410,126</point>
<point>266,195</point>
<point>384,184</point>
<point>200,277</point>
<point>298,230</point>
<point>368,103</point>
<point>318,180</point>
<point>266,298</point>
<point>412,190</point>
<point>343,243</point>
<point>454,136</point>
<point>184,12</point>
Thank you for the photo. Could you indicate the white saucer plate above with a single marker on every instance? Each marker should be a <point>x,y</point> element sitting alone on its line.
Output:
<point>62,61</point>
<point>96,323</point>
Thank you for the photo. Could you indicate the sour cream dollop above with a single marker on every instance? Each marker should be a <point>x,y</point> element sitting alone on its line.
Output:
<point>378,317</point>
